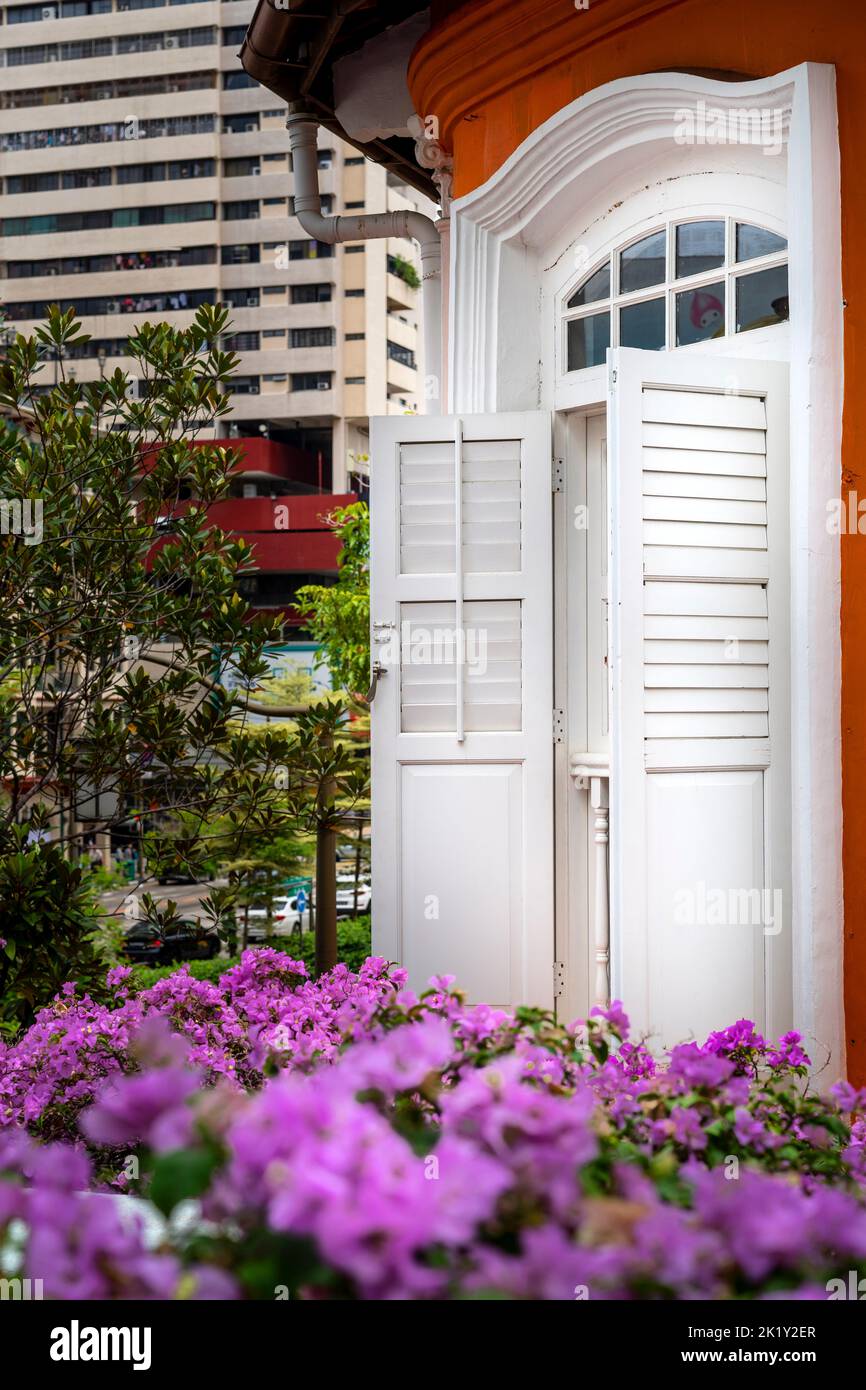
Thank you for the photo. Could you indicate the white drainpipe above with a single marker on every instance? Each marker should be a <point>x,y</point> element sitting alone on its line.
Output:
<point>302,128</point>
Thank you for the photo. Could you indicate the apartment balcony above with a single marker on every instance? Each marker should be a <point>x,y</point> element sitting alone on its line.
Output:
<point>313,407</point>
<point>401,378</point>
<point>406,334</point>
<point>287,535</point>
<point>400,295</point>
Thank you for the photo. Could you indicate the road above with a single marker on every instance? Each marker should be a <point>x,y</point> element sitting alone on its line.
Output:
<point>188,896</point>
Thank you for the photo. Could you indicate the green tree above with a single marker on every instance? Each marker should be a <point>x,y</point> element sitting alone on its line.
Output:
<point>338,615</point>
<point>121,613</point>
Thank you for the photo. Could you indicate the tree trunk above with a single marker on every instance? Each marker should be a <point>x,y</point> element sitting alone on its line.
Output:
<point>358,848</point>
<point>326,879</point>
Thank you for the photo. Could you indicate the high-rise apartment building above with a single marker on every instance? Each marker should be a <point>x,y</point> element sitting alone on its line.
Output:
<point>144,173</point>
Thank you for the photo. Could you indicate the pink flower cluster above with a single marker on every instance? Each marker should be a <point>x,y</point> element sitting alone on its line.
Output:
<point>345,1138</point>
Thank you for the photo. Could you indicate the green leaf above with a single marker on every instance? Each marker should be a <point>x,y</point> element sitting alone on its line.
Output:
<point>181,1174</point>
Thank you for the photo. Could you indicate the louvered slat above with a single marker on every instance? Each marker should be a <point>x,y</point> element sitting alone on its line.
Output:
<point>490,508</point>
<point>706,654</point>
<point>493,670</point>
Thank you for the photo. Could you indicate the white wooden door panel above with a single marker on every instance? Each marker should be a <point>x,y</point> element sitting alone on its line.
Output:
<point>461,851</point>
<point>706,970</point>
<point>700,840</point>
<point>461,608</point>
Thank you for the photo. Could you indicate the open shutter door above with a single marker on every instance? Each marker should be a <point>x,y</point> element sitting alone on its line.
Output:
<point>700,799</point>
<point>461,610</point>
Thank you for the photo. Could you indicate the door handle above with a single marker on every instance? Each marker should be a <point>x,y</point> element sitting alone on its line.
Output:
<point>377,670</point>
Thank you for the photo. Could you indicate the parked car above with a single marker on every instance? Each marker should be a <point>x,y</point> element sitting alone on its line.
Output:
<point>178,875</point>
<point>285,919</point>
<point>145,944</point>
<point>346,896</point>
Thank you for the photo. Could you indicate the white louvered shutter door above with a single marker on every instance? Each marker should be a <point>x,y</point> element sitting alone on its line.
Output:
<point>461,609</point>
<point>700,738</point>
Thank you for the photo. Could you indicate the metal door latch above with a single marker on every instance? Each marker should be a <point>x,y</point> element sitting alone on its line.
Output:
<point>377,670</point>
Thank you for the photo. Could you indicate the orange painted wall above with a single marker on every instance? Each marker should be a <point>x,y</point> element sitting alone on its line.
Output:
<point>493,72</point>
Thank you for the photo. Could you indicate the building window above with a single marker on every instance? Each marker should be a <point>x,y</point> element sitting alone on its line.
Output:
<point>244,385</point>
<point>311,294</point>
<point>241,167</point>
<point>311,381</point>
<point>355,159</point>
<point>106,131</point>
<point>240,211</point>
<point>159,172</point>
<point>108,304</point>
<point>244,254</point>
<point>312,337</point>
<point>682,284</point>
<point>398,353</point>
<point>308,250</point>
<point>325,159</point>
<point>355,337</point>
<point>359,206</point>
<point>107,89</point>
<point>233,81</point>
<point>354,250</point>
<point>121,260</point>
<point>356,380</point>
<point>355,294</point>
<point>241,342</point>
<point>32,14</point>
<point>242,125</point>
<point>241,299</point>
<point>100,218</point>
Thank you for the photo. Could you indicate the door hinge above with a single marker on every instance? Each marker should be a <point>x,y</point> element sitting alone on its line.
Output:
<point>557,476</point>
<point>558,725</point>
<point>558,979</point>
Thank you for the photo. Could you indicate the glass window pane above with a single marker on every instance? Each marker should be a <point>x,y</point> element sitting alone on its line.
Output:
<point>642,264</point>
<point>756,241</point>
<point>588,341</point>
<point>762,298</point>
<point>643,325</point>
<point>701,314</point>
<point>596,287</point>
<point>700,246</point>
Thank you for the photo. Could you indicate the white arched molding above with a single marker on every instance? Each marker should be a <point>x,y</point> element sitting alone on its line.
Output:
<point>609,145</point>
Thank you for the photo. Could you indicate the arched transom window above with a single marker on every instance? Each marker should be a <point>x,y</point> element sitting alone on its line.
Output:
<point>682,284</point>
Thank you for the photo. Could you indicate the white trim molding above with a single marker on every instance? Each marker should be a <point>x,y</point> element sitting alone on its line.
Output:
<point>570,173</point>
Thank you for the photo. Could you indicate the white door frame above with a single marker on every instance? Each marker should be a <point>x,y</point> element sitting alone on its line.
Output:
<point>507,232</point>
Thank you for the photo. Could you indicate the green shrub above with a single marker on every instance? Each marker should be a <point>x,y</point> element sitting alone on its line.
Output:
<point>353,946</point>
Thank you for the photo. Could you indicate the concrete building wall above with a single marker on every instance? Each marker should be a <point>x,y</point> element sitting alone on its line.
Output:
<point>141,174</point>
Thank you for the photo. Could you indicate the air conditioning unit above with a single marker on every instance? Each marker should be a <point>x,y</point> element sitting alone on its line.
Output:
<point>252,302</point>
<point>250,126</point>
<point>170,41</point>
<point>49,12</point>
<point>323,386</point>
